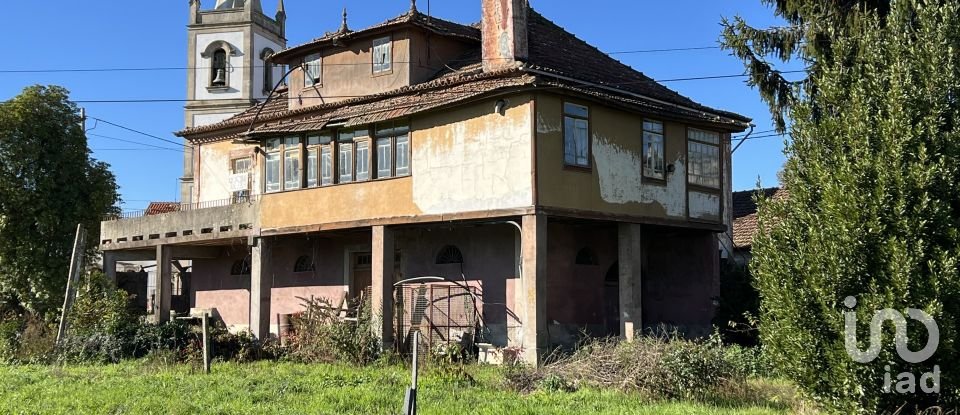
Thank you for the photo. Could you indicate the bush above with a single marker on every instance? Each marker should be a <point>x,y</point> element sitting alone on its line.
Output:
<point>320,335</point>
<point>102,326</point>
<point>659,367</point>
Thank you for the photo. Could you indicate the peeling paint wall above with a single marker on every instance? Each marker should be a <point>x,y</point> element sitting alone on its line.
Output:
<point>614,184</point>
<point>214,169</point>
<point>472,159</point>
<point>705,206</point>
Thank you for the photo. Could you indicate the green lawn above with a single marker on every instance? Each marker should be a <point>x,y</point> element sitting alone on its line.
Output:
<point>288,388</point>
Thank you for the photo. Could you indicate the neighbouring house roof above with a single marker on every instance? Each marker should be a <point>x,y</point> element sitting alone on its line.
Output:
<point>745,225</point>
<point>557,60</point>
<point>412,18</point>
<point>157,208</point>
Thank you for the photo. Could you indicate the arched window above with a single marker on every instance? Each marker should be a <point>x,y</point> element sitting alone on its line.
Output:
<point>449,255</point>
<point>218,69</point>
<point>586,256</point>
<point>240,267</point>
<point>304,264</point>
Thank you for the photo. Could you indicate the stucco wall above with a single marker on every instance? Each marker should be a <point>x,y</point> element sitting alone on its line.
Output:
<point>614,183</point>
<point>467,159</point>
<point>214,169</point>
<point>471,158</point>
<point>259,43</point>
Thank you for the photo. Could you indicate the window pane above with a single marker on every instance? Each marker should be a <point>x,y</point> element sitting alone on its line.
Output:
<point>273,144</point>
<point>326,166</point>
<point>704,164</point>
<point>272,172</point>
<point>382,55</point>
<point>312,167</point>
<point>384,158</point>
<point>363,160</point>
<point>653,164</point>
<point>575,110</point>
<point>291,169</point>
<point>291,142</point>
<point>313,70</point>
<point>346,162</point>
<point>403,155</point>
<point>704,136</point>
<point>653,126</point>
<point>576,145</point>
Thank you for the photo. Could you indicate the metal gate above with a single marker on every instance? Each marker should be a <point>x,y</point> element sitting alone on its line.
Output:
<point>443,313</point>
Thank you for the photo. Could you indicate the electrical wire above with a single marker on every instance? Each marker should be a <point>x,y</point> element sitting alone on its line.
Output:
<point>138,131</point>
<point>152,147</point>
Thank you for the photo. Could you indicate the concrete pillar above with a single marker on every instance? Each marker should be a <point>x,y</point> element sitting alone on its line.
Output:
<point>163,285</point>
<point>110,266</point>
<point>261,284</point>
<point>631,294</point>
<point>381,297</point>
<point>532,302</point>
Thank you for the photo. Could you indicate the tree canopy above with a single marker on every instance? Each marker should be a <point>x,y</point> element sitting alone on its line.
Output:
<point>48,184</point>
<point>873,174</point>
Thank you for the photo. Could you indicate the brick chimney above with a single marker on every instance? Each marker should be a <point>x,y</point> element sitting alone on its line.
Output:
<point>504,32</point>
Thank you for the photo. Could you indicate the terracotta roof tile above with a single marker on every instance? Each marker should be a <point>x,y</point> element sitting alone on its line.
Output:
<point>158,208</point>
<point>745,226</point>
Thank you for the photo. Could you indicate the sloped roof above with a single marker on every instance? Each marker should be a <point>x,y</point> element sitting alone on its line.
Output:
<point>745,225</point>
<point>413,17</point>
<point>568,63</point>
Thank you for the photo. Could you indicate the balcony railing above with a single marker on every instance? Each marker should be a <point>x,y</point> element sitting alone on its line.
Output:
<point>164,208</point>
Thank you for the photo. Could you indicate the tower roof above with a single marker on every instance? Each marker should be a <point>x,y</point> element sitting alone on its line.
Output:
<point>237,4</point>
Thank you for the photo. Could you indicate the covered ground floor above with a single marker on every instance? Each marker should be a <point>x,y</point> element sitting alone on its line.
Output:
<point>528,283</point>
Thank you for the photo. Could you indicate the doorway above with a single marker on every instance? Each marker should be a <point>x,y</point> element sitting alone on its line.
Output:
<point>611,300</point>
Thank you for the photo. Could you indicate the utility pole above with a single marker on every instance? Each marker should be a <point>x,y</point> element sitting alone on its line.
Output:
<point>76,262</point>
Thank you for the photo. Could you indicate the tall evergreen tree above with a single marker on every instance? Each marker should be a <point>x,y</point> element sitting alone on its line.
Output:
<point>873,174</point>
<point>48,184</point>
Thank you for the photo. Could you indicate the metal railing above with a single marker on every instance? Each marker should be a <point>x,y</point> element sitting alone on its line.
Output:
<point>162,209</point>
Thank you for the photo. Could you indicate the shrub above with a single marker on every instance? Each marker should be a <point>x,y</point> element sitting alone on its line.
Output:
<point>659,367</point>
<point>320,335</point>
<point>102,325</point>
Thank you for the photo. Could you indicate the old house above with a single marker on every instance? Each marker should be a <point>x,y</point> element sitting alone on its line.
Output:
<point>507,171</point>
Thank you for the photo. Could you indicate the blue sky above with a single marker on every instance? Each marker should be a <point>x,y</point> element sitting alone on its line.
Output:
<point>139,34</point>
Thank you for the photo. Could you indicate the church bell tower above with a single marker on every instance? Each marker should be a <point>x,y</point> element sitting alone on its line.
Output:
<point>226,55</point>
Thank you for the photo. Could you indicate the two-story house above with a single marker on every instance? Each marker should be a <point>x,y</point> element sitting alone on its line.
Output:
<point>567,190</point>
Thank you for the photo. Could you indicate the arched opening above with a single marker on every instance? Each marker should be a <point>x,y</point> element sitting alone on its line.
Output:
<point>304,264</point>
<point>218,69</point>
<point>240,267</point>
<point>449,255</point>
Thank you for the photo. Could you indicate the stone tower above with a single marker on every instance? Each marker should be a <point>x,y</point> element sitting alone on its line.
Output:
<point>226,51</point>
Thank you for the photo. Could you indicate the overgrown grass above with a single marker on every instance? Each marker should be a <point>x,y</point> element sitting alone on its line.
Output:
<point>149,387</point>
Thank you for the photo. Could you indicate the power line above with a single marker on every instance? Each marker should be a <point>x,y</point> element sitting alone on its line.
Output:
<point>185,100</point>
<point>127,149</point>
<point>132,142</point>
<point>137,131</point>
<point>185,68</point>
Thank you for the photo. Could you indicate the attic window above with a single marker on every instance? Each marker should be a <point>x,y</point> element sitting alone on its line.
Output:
<point>449,255</point>
<point>382,55</point>
<point>313,70</point>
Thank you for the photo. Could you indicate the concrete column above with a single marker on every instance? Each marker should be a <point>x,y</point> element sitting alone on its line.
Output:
<point>532,302</point>
<point>110,266</point>
<point>261,284</point>
<point>631,294</point>
<point>163,283</point>
<point>381,297</point>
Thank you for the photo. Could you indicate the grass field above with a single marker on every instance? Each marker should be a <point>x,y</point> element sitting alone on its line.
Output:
<point>288,388</point>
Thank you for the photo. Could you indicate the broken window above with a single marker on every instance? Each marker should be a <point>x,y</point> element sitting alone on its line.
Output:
<point>272,165</point>
<point>382,55</point>
<point>576,135</point>
<point>313,70</point>
<point>291,163</point>
<point>703,158</point>
<point>653,163</point>
<point>393,149</point>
